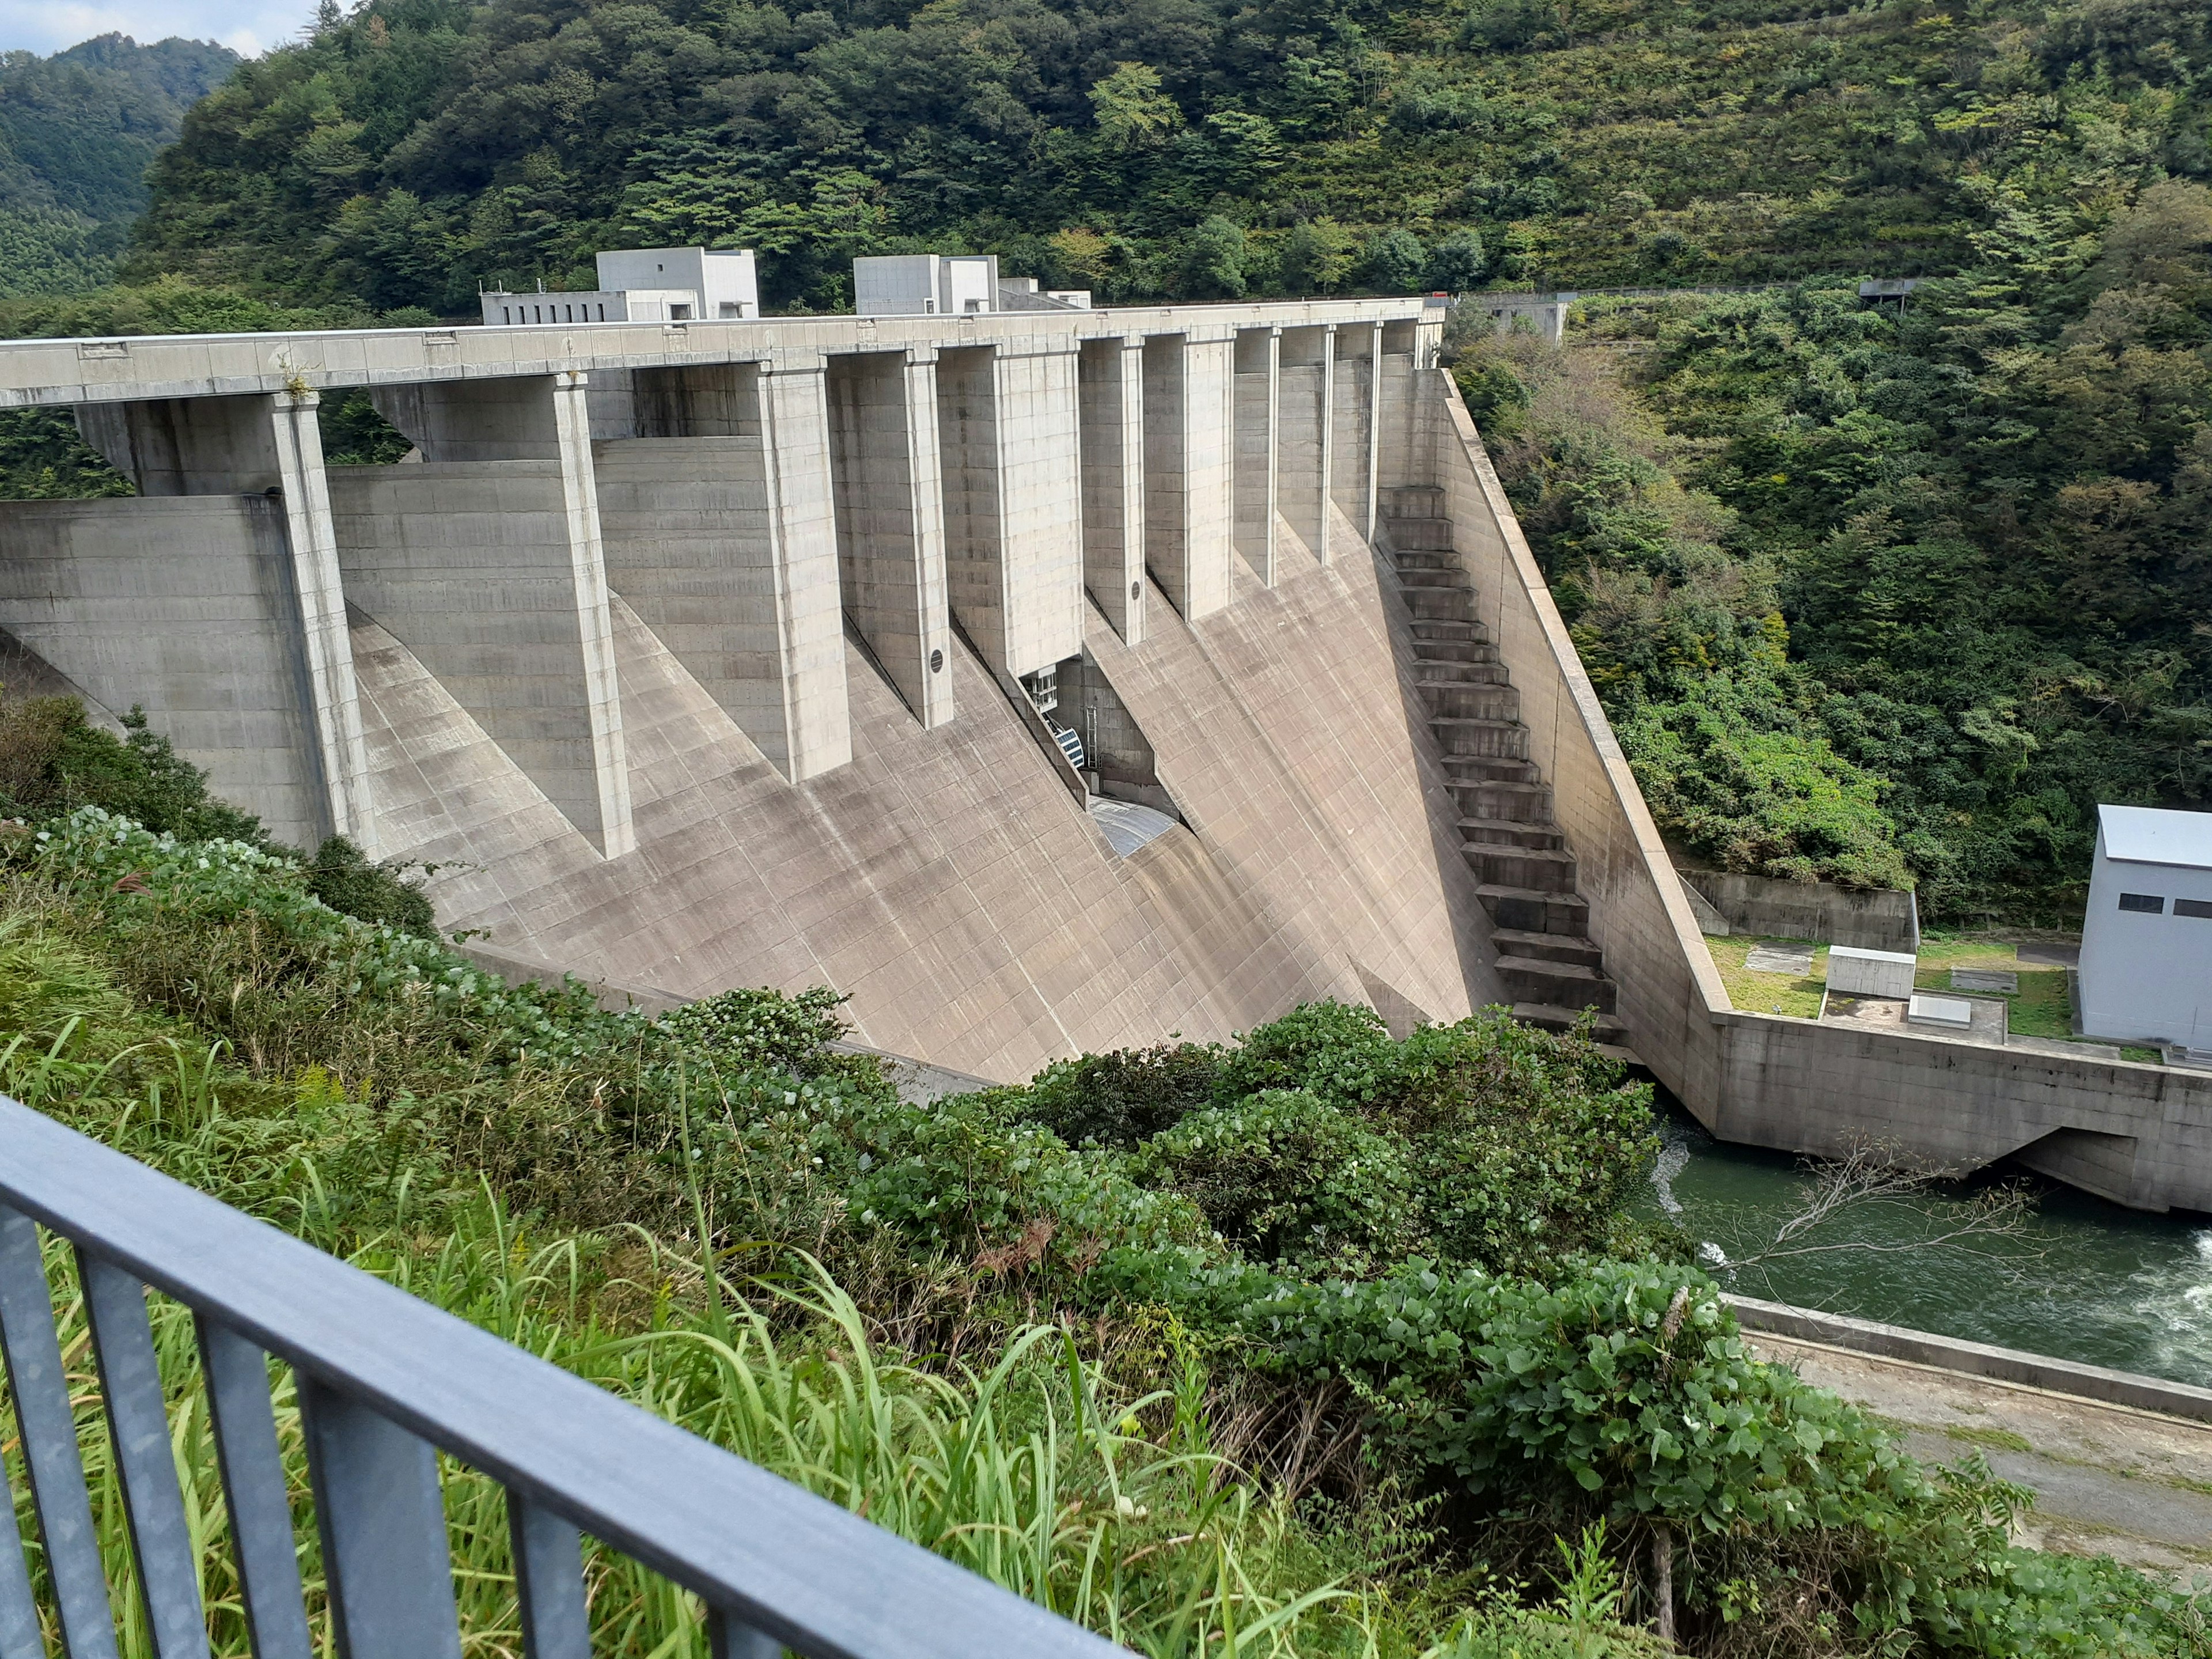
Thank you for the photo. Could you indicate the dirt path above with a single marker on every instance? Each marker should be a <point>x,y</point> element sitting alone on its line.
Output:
<point>2108,1479</point>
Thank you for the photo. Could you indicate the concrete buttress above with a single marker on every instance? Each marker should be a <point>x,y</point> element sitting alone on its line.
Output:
<point>1259,376</point>
<point>1189,478</point>
<point>721,535</point>
<point>212,597</point>
<point>1305,367</point>
<point>485,560</point>
<point>1110,379</point>
<point>1007,424</point>
<point>889,496</point>
<point>1353,390</point>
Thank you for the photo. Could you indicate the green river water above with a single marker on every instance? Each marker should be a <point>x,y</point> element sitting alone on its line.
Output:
<point>2081,1279</point>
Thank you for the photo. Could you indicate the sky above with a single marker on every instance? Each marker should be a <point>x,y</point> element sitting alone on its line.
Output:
<point>250,26</point>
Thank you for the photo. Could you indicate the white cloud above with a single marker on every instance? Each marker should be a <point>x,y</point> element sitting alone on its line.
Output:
<point>250,26</point>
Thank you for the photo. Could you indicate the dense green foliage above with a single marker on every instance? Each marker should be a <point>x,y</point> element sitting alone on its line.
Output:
<point>54,760</point>
<point>1866,589</point>
<point>413,148</point>
<point>78,131</point>
<point>549,1169</point>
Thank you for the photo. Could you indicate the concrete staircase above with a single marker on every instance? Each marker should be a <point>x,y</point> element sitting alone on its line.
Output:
<point>1525,869</point>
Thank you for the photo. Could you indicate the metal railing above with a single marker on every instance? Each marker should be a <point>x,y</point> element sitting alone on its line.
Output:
<point>385,1382</point>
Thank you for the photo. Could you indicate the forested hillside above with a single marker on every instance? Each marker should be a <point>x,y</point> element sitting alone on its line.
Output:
<point>1889,595</point>
<point>413,148</point>
<point>76,132</point>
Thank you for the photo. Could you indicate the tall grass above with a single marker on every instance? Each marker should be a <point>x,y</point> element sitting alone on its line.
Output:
<point>1025,1473</point>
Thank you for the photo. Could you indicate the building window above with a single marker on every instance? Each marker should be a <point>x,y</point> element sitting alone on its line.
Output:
<point>540,313</point>
<point>2150,903</point>
<point>679,313</point>
<point>506,313</point>
<point>2201,908</point>
<point>603,311</point>
<point>731,309</point>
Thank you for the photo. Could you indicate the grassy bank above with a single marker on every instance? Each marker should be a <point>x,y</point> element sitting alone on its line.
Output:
<point>1318,1342</point>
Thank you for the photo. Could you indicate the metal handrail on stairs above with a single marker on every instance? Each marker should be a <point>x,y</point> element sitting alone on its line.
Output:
<point>386,1383</point>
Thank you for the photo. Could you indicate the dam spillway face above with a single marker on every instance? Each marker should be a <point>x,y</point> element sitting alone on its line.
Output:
<point>1034,678</point>
<point>1044,681</point>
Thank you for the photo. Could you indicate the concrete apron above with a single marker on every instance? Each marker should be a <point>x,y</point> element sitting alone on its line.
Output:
<point>2120,1464</point>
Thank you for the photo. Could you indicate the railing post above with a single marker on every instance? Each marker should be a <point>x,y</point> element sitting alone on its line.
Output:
<point>138,1419</point>
<point>549,1582</point>
<point>253,1490</point>
<point>728,1639</point>
<point>383,1519</point>
<point>48,1428</point>
<point>20,1635</point>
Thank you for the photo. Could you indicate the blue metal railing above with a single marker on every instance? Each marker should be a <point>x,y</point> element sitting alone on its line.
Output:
<point>385,1382</point>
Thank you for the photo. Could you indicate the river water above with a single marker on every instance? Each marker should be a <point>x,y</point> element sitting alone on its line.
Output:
<point>2070,1275</point>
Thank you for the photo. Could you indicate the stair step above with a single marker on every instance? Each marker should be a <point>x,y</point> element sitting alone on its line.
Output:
<point>1411,531</point>
<point>1491,701</point>
<point>1426,558</point>
<point>1449,650</point>
<point>1465,769</point>
<point>1473,734</point>
<point>1536,869</point>
<point>1490,831</point>
<point>1549,1017</point>
<point>1546,947</point>
<point>1412,498</point>
<point>1499,798</point>
<point>1451,670</point>
<point>1441,604</point>
<point>1529,910</point>
<point>1560,984</point>
<point>1421,576</point>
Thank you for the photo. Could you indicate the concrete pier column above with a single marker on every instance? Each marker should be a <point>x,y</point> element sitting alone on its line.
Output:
<point>1006,422</point>
<point>720,534</point>
<point>1354,392</point>
<point>1258,384</point>
<point>1305,371</point>
<point>889,497</point>
<point>213,599</point>
<point>1111,386</point>
<point>1403,450</point>
<point>485,560</point>
<point>1189,475</point>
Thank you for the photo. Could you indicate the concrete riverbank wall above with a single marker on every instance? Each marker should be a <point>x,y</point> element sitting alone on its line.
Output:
<point>720,653</point>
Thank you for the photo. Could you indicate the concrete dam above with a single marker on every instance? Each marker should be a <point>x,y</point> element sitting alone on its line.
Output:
<point>1045,681</point>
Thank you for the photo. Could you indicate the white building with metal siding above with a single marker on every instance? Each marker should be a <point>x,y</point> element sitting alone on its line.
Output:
<point>2146,942</point>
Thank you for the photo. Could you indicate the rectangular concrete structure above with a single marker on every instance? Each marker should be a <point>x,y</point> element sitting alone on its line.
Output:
<point>485,558</point>
<point>1355,390</point>
<point>1853,970</point>
<point>1110,388</point>
<point>888,494</point>
<point>1190,481</point>
<point>720,534</point>
<point>189,605</point>
<point>1259,366</point>
<point>267,445</point>
<point>1013,508</point>
<point>1305,380</point>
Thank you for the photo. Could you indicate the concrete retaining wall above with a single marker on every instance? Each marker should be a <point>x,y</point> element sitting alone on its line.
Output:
<point>1879,921</point>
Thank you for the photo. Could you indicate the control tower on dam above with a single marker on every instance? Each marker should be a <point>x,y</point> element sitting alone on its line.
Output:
<point>1046,680</point>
